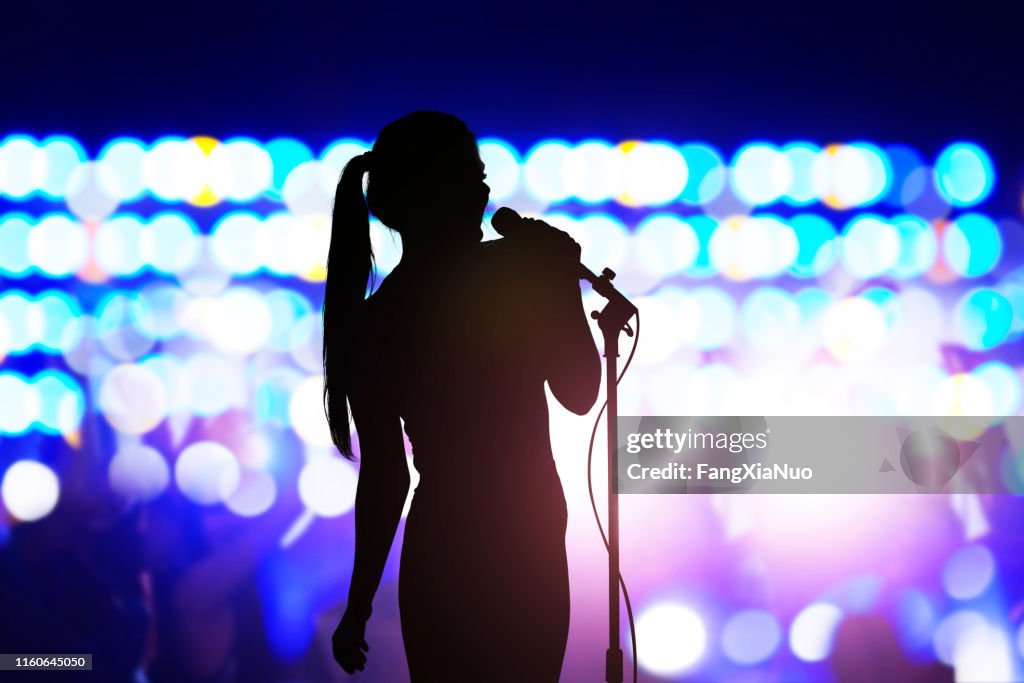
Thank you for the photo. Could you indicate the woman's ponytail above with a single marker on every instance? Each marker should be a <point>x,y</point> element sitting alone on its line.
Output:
<point>349,264</point>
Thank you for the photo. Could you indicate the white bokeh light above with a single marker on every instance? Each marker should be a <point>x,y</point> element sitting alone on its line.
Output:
<point>30,490</point>
<point>673,638</point>
<point>812,631</point>
<point>133,399</point>
<point>207,472</point>
<point>327,485</point>
<point>138,472</point>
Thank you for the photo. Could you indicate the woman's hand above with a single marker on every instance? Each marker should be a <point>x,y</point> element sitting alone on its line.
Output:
<point>550,242</point>
<point>349,643</point>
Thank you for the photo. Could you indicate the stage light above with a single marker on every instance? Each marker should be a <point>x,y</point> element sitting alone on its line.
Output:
<point>306,413</point>
<point>706,176</point>
<point>206,196</point>
<point>87,197</point>
<point>816,250</point>
<point>286,307</point>
<point>665,244</point>
<point>15,233</point>
<point>22,321</point>
<point>984,654</point>
<point>117,245</point>
<point>169,370</point>
<point>708,389</point>
<point>61,315</point>
<point>904,163</point>
<point>918,246</point>
<point>327,485</point>
<point>117,326</point>
<point>306,192</point>
<point>233,242</point>
<point>968,572</point>
<point>30,490</point>
<point>751,636</point>
<point>869,246</point>
<point>602,238</point>
<point>214,383</point>
<point>888,302</point>
<point>666,331</point>
<point>63,155</point>
<point>25,167</point>
<point>132,399</point>
<point>813,630</point>
<point>254,494</point>
<point>801,157</point>
<point>309,243</point>
<point>19,404</point>
<point>853,329</point>
<point>813,303</point>
<point>846,176</point>
<point>923,319</point>
<point>982,319</point>
<point>654,174</point>
<point>594,171</point>
<point>138,472</point>
<point>673,636</point>
<point>240,170</point>
<point>760,174</point>
<point>951,631</point>
<point>272,243</point>
<point>745,247</point>
<point>157,308</point>
<point>61,402</point>
<point>174,169</point>
<point>307,342</point>
<point>770,319</point>
<point>963,394</point>
<point>972,245</point>
<point>1003,385</point>
<point>239,321</point>
<point>542,171</point>
<point>964,174</point>
<point>285,155</point>
<point>207,472</point>
<point>170,242</point>
<point>717,313</point>
<point>274,393</point>
<point>119,169</point>
<point>502,165</point>
<point>57,245</point>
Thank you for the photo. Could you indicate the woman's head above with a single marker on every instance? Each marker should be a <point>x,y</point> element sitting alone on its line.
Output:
<point>425,180</point>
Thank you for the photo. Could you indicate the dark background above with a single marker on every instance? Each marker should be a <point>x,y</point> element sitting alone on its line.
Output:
<point>721,71</point>
<point>919,73</point>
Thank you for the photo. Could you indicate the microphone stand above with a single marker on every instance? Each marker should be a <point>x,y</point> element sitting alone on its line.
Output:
<point>612,320</point>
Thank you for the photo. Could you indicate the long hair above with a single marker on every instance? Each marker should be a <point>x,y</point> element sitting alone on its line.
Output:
<point>409,166</point>
<point>349,265</point>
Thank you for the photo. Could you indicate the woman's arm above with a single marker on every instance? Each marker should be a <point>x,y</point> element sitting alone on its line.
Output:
<point>380,495</point>
<point>573,362</point>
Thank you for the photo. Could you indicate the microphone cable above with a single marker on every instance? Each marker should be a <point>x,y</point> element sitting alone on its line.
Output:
<point>593,502</point>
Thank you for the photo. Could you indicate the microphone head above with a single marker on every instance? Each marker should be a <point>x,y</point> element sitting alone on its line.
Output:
<point>504,221</point>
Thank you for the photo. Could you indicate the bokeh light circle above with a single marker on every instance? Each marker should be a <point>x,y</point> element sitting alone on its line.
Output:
<point>30,490</point>
<point>673,636</point>
<point>207,472</point>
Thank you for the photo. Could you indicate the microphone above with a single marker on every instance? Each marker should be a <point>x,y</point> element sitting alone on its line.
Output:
<point>507,223</point>
<point>616,315</point>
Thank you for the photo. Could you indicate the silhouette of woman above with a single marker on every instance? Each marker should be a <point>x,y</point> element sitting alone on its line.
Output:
<point>457,341</point>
